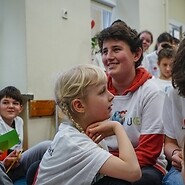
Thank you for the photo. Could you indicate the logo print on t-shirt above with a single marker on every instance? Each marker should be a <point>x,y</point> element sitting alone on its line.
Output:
<point>50,151</point>
<point>119,116</point>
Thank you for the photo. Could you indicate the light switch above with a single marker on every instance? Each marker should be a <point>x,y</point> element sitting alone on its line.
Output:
<point>65,14</point>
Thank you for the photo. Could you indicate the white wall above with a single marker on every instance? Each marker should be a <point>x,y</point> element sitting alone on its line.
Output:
<point>53,44</point>
<point>142,14</point>
<point>176,13</point>
<point>36,44</point>
<point>128,11</point>
<point>12,44</point>
<point>152,15</point>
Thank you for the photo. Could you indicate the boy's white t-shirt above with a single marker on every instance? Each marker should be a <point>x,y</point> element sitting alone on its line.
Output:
<point>174,116</point>
<point>4,128</point>
<point>73,158</point>
<point>140,113</point>
<point>135,111</point>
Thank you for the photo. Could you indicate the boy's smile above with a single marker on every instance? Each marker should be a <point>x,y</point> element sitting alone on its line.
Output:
<point>9,109</point>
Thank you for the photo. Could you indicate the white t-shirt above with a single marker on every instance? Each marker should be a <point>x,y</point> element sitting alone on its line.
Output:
<point>140,113</point>
<point>73,158</point>
<point>150,63</point>
<point>174,116</point>
<point>4,128</point>
<point>164,85</point>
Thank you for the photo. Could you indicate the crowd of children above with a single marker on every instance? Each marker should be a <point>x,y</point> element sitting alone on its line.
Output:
<point>123,126</point>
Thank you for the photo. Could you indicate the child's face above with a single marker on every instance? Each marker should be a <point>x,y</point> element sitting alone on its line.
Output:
<point>147,40</point>
<point>9,109</point>
<point>165,67</point>
<point>97,104</point>
<point>118,59</point>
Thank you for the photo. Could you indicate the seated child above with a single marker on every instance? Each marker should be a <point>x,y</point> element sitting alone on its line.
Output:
<point>173,119</point>
<point>10,107</point>
<point>165,61</point>
<point>78,154</point>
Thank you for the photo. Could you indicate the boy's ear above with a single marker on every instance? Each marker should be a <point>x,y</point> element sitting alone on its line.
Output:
<point>21,109</point>
<point>137,54</point>
<point>78,106</point>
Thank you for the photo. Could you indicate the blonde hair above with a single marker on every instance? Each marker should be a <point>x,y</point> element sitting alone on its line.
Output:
<point>73,84</point>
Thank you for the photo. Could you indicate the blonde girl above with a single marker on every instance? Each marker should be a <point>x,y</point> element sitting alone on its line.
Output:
<point>78,153</point>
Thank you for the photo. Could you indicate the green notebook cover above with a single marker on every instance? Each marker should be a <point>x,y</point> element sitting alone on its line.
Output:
<point>8,140</point>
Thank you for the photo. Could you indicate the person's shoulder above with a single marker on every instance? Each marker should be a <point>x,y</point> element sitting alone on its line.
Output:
<point>174,94</point>
<point>1,120</point>
<point>66,125</point>
<point>151,85</point>
<point>19,120</point>
<point>3,126</point>
<point>150,54</point>
<point>152,57</point>
<point>161,81</point>
<point>150,91</point>
<point>68,129</point>
<point>68,132</point>
<point>175,100</point>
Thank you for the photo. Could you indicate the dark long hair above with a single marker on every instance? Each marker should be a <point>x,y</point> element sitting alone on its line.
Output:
<point>178,70</point>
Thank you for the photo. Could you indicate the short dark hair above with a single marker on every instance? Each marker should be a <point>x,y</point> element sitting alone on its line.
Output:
<point>119,30</point>
<point>11,92</point>
<point>165,37</point>
<point>167,51</point>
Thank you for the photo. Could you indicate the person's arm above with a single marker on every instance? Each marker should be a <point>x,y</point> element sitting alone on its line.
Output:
<point>149,149</point>
<point>12,160</point>
<point>151,137</point>
<point>173,152</point>
<point>125,166</point>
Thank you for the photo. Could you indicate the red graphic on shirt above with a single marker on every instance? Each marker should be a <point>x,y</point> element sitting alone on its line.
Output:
<point>155,68</point>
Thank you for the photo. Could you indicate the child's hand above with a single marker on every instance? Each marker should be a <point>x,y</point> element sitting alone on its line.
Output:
<point>177,160</point>
<point>100,130</point>
<point>9,160</point>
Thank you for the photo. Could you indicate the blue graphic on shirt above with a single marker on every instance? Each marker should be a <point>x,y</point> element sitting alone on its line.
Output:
<point>119,116</point>
<point>167,88</point>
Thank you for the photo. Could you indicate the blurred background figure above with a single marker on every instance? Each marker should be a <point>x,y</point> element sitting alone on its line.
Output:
<point>150,60</point>
<point>165,62</point>
<point>147,38</point>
